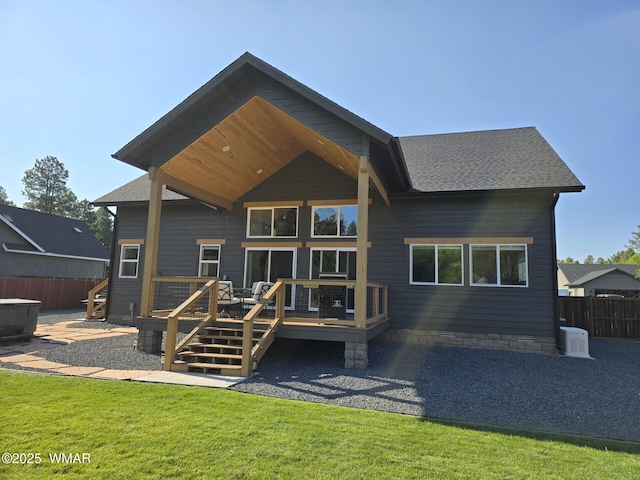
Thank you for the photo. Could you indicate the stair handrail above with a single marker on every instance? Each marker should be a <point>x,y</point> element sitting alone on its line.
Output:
<point>172,320</point>
<point>91,299</point>
<point>248,350</point>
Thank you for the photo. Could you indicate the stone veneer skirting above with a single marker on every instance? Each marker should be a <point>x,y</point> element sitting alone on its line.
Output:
<point>519,343</point>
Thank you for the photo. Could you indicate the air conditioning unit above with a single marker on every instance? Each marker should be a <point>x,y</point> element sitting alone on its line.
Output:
<point>575,342</point>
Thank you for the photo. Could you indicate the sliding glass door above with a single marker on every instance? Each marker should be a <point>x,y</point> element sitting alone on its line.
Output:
<point>333,263</point>
<point>270,264</point>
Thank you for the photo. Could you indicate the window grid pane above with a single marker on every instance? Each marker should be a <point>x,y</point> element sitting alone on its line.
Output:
<point>260,223</point>
<point>325,221</point>
<point>513,265</point>
<point>424,264</point>
<point>450,264</point>
<point>484,266</point>
<point>285,222</point>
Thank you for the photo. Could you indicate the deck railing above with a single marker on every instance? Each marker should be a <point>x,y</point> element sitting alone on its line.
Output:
<point>96,306</point>
<point>319,302</point>
<point>332,302</point>
<point>251,354</point>
<point>169,292</point>
<point>209,293</point>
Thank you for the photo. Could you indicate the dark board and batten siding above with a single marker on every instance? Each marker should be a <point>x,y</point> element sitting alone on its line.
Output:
<point>518,311</point>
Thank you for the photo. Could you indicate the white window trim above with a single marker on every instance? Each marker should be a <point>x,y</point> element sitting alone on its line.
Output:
<point>250,209</point>
<point>412,282</point>
<point>201,261</point>
<point>123,260</point>
<point>498,272</point>
<point>337,235</point>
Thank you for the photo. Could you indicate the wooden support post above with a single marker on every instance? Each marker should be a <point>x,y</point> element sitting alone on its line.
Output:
<point>280,302</point>
<point>360,293</point>
<point>151,242</point>
<point>247,346</point>
<point>170,343</point>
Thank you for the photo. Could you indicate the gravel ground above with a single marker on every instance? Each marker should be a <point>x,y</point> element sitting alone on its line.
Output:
<point>599,398</point>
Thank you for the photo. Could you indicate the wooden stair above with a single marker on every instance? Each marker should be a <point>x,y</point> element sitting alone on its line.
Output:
<point>218,348</point>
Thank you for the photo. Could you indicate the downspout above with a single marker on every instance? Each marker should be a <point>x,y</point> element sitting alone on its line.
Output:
<point>112,268</point>
<point>554,254</point>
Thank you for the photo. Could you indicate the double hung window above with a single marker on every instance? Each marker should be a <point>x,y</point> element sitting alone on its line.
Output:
<point>209,263</point>
<point>129,260</point>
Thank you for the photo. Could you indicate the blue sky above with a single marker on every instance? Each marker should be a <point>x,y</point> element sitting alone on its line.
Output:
<point>82,78</point>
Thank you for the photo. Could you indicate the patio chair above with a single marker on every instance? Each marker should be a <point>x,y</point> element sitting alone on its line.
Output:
<point>258,289</point>
<point>226,298</point>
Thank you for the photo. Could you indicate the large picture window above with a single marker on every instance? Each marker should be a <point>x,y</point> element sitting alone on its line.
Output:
<point>499,265</point>
<point>335,221</point>
<point>209,261</point>
<point>436,265</point>
<point>272,222</point>
<point>129,259</point>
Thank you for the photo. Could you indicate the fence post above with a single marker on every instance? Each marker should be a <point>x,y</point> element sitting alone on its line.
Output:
<point>591,315</point>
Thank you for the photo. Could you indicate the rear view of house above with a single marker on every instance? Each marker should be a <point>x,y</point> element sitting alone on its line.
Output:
<point>256,178</point>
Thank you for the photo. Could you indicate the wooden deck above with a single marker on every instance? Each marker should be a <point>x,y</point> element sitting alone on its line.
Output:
<point>233,343</point>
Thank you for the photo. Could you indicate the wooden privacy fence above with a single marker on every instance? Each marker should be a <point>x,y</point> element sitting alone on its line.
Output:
<point>54,293</point>
<point>603,317</point>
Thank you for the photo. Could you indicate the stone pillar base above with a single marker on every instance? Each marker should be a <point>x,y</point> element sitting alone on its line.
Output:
<point>356,355</point>
<point>150,341</point>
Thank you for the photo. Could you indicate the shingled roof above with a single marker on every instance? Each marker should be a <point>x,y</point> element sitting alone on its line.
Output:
<point>577,274</point>
<point>51,234</point>
<point>137,191</point>
<point>511,159</point>
<point>489,160</point>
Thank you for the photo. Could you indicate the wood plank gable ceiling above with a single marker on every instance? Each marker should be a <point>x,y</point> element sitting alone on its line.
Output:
<point>250,145</point>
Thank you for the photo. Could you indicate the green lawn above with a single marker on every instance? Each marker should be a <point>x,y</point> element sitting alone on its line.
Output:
<point>140,430</point>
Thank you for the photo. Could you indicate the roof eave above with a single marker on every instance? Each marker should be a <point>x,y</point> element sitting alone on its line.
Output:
<point>421,193</point>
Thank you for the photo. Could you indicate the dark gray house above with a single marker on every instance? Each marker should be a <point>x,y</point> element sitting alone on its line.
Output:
<point>437,238</point>
<point>36,244</point>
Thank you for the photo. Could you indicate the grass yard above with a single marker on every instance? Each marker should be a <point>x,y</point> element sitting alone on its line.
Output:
<point>140,430</point>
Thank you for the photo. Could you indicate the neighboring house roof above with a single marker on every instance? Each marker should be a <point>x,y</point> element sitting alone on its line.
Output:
<point>580,274</point>
<point>46,234</point>
<point>136,191</point>
<point>518,158</point>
